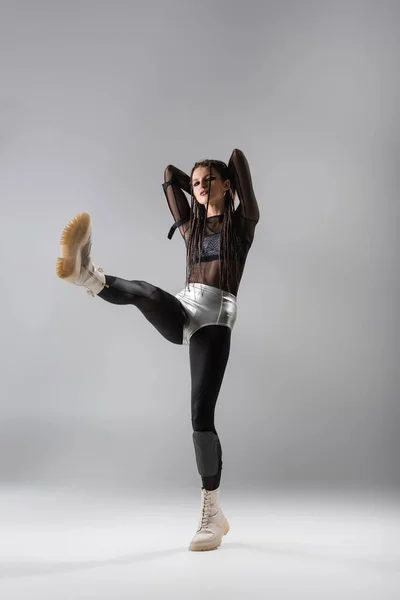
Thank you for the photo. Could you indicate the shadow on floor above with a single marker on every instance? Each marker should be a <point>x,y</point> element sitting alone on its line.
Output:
<point>32,569</point>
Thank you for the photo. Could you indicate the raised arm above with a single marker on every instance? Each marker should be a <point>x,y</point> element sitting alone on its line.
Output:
<point>241,171</point>
<point>175,181</point>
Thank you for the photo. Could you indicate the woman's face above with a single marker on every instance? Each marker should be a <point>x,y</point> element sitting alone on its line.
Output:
<point>202,182</point>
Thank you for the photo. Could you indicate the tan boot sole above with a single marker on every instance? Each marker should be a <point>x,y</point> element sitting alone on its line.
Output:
<point>202,547</point>
<point>73,238</point>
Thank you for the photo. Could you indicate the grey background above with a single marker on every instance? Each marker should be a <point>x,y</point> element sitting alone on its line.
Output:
<point>96,99</point>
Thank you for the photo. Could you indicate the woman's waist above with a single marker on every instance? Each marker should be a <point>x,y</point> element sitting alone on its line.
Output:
<point>197,289</point>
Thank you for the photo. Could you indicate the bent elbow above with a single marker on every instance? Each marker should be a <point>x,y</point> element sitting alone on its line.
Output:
<point>168,172</point>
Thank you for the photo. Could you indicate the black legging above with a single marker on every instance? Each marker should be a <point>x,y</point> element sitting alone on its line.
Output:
<point>208,349</point>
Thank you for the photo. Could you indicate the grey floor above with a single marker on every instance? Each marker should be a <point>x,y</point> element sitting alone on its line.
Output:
<point>71,545</point>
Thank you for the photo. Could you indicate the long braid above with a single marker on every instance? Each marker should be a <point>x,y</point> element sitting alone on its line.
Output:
<point>230,246</point>
<point>198,220</point>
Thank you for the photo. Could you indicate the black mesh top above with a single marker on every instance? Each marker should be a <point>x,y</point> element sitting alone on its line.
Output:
<point>245,219</point>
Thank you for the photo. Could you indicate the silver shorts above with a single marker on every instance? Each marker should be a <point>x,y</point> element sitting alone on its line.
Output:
<point>206,305</point>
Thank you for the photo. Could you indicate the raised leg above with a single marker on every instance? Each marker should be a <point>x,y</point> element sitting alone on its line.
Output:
<point>160,308</point>
<point>76,265</point>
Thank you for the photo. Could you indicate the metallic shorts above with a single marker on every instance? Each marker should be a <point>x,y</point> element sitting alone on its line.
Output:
<point>206,305</point>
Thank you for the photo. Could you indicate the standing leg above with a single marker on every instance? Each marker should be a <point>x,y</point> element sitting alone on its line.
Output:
<point>209,353</point>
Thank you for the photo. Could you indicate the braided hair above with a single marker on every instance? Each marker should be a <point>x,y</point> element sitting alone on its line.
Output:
<point>230,247</point>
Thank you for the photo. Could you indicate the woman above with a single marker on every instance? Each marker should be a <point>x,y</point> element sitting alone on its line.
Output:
<point>202,315</point>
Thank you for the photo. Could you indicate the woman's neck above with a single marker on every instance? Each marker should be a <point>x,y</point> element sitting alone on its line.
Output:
<point>214,210</point>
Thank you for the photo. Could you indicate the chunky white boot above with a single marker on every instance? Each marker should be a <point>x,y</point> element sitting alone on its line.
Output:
<point>213,524</point>
<point>76,264</point>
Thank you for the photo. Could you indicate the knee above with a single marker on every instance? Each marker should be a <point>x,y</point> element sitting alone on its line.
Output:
<point>199,422</point>
<point>203,423</point>
<point>142,288</point>
<point>202,412</point>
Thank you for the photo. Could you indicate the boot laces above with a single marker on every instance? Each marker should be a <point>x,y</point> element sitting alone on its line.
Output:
<point>206,509</point>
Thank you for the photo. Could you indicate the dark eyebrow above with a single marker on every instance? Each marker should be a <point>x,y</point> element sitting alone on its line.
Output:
<point>208,175</point>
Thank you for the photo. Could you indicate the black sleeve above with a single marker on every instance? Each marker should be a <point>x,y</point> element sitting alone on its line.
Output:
<point>240,170</point>
<point>175,183</point>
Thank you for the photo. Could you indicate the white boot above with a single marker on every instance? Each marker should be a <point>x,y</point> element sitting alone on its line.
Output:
<point>213,524</point>
<point>76,264</point>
